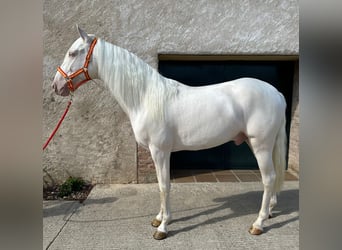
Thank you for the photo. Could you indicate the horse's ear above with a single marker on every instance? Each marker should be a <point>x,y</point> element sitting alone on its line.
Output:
<point>83,34</point>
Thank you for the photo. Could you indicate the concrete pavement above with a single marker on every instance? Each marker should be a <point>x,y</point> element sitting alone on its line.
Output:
<point>205,216</point>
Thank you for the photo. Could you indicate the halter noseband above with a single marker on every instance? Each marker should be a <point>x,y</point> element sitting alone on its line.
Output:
<point>84,70</point>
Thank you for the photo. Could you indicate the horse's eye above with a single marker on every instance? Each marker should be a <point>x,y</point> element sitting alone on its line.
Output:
<point>72,53</point>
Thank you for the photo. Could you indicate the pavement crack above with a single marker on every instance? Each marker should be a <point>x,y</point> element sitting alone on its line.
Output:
<point>61,229</point>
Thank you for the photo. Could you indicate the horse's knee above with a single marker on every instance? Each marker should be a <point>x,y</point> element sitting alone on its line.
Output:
<point>268,179</point>
<point>165,187</point>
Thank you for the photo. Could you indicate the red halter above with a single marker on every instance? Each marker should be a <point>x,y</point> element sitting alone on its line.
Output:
<point>84,70</point>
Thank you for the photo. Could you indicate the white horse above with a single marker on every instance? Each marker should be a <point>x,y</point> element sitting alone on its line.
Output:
<point>167,116</point>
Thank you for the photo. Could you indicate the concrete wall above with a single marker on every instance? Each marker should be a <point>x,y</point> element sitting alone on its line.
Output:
<point>96,141</point>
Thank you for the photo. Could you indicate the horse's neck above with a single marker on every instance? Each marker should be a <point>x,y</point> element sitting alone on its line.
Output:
<point>134,84</point>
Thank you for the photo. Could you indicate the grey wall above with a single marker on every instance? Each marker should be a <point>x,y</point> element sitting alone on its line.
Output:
<point>96,141</point>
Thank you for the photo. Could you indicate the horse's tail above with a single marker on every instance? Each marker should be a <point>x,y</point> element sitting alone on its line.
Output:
<point>279,156</point>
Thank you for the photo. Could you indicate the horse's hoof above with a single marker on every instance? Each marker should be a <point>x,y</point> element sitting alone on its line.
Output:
<point>155,223</point>
<point>159,235</point>
<point>255,231</point>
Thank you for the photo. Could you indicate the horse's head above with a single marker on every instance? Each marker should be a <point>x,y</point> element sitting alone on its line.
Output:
<point>77,67</point>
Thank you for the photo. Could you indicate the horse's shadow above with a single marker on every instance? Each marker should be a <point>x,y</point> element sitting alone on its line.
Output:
<point>235,205</point>
<point>69,207</point>
<point>241,205</point>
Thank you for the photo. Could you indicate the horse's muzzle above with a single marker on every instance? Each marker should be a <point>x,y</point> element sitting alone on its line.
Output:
<point>64,91</point>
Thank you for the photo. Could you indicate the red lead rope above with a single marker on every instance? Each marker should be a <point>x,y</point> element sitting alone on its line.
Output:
<point>58,124</point>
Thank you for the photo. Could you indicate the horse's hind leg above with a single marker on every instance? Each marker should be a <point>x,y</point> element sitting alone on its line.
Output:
<point>273,201</point>
<point>264,159</point>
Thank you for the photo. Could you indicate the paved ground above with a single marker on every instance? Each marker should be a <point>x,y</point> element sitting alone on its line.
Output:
<point>205,216</point>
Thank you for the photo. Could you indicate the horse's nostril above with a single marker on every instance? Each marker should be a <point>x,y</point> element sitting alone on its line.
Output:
<point>54,86</point>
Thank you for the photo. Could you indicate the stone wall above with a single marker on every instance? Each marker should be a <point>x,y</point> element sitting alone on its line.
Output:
<point>96,141</point>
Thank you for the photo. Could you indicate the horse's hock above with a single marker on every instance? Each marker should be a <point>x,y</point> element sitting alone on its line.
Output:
<point>96,141</point>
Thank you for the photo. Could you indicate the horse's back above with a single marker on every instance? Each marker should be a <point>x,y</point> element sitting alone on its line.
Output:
<point>251,95</point>
<point>257,92</point>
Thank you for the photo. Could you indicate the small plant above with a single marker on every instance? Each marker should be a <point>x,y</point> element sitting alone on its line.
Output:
<point>72,184</point>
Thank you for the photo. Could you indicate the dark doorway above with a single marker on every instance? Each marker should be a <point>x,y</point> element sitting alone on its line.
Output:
<point>201,72</point>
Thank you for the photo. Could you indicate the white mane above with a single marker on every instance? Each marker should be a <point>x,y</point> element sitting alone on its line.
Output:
<point>133,82</point>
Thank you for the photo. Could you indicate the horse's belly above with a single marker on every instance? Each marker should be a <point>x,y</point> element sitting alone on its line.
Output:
<point>198,142</point>
<point>208,120</point>
<point>201,134</point>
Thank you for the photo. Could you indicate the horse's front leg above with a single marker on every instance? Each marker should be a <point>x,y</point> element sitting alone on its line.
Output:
<point>161,160</point>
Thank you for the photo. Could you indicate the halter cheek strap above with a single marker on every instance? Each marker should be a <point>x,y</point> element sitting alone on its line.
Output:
<point>68,78</point>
